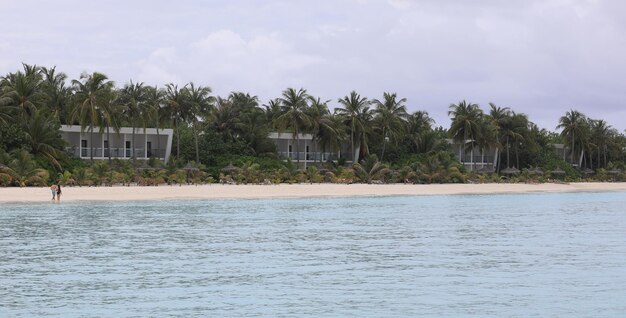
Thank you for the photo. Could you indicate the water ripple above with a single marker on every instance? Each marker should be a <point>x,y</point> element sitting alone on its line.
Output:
<point>502,255</point>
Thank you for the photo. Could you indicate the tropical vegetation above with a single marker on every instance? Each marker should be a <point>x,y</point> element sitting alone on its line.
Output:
<point>225,138</point>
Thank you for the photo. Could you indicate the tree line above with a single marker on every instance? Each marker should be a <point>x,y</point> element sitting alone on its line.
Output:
<point>211,131</point>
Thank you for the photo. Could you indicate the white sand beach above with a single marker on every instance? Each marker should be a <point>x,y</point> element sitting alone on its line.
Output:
<point>219,191</point>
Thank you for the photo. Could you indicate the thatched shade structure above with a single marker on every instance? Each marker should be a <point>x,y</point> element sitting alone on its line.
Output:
<point>190,167</point>
<point>229,168</point>
<point>510,171</point>
<point>615,171</point>
<point>587,172</point>
<point>485,170</point>
<point>557,171</point>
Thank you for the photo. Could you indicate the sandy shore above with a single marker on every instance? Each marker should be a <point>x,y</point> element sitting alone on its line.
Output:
<point>218,191</point>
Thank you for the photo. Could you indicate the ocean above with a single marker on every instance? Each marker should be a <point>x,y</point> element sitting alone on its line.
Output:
<point>513,255</point>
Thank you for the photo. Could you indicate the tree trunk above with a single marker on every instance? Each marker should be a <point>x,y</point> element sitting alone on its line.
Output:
<point>109,143</point>
<point>496,160</point>
<point>195,136</point>
<point>382,154</point>
<point>508,149</point>
<point>132,146</point>
<point>177,138</point>
<point>572,148</point>
<point>580,160</point>
<point>91,143</point>
<point>158,142</point>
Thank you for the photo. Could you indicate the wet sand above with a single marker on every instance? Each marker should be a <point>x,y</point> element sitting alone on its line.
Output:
<point>219,191</point>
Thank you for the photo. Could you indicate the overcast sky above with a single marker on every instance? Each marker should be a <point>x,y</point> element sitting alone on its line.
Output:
<point>540,57</point>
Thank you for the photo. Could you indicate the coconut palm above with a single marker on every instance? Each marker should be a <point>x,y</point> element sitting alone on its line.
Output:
<point>419,131</point>
<point>601,133</point>
<point>22,91</point>
<point>466,125</point>
<point>56,91</point>
<point>331,134</point>
<point>294,114</point>
<point>391,116</point>
<point>320,118</point>
<point>197,104</point>
<point>369,169</point>
<point>174,102</point>
<point>22,170</point>
<point>225,119</point>
<point>498,116</point>
<point>135,109</point>
<point>158,113</point>
<point>44,137</point>
<point>573,124</point>
<point>272,111</point>
<point>355,111</point>
<point>91,96</point>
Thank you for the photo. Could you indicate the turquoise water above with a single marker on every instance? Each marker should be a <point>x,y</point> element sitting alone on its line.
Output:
<point>558,255</point>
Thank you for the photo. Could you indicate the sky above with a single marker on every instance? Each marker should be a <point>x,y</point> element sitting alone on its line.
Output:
<point>538,57</point>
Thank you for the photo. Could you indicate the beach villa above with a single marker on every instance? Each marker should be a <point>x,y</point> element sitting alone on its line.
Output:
<point>305,149</point>
<point>148,143</point>
<point>474,157</point>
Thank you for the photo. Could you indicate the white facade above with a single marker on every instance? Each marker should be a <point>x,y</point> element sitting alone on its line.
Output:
<point>146,144</point>
<point>305,149</point>
<point>474,158</point>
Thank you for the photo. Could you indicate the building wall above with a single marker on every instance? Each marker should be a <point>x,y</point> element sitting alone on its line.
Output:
<point>82,143</point>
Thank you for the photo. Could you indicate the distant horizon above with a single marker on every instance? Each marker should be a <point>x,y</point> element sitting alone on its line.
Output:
<point>540,58</point>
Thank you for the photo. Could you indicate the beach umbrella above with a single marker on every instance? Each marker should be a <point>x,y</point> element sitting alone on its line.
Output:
<point>558,171</point>
<point>615,171</point>
<point>229,168</point>
<point>535,171</point>
<point>189,167</point>
<point>485,170</point>
<point>510,171</point>
<point>587,172</point>
<point>145,166</point>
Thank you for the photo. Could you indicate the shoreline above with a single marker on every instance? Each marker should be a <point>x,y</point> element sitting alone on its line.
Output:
<point>222,191</point>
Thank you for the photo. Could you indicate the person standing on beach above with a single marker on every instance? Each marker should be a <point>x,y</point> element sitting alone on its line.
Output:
<point>59,192</point>
<point>54,189</point>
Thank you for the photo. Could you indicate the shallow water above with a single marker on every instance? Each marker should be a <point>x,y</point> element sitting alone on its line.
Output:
<point>475,255</point>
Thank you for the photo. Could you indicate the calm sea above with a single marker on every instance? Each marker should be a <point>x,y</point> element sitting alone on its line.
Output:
<point>543,255</point>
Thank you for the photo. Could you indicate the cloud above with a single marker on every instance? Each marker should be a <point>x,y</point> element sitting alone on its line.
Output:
<point>540,57</point>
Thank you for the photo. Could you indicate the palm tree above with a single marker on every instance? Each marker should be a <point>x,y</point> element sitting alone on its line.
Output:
<point>391,115</point>
<point>601,132</point>
<point>272,111</point>
<point>572,123</point>
<point>21,168</point>
<point>294,114</point>
<point>111,117</point>
<point>419,128</point>
<point>369,169</point>
<point>23,91</point>
<point>160,118</point>
<point>44,137</point>
<point>331,133</point>
<point>225,119</point>
<point>174,102</point>
<point>133,98</point>
<point>498,117</point>
<point>91,96</point>
<point>197,103</point>
<point>56,91</point>
<point>466,125</point>
<point>320,120</point>
<point>355,109</point>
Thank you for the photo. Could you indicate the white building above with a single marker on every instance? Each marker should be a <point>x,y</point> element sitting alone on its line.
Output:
<point>147,143</point>
<point>305,149</point>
